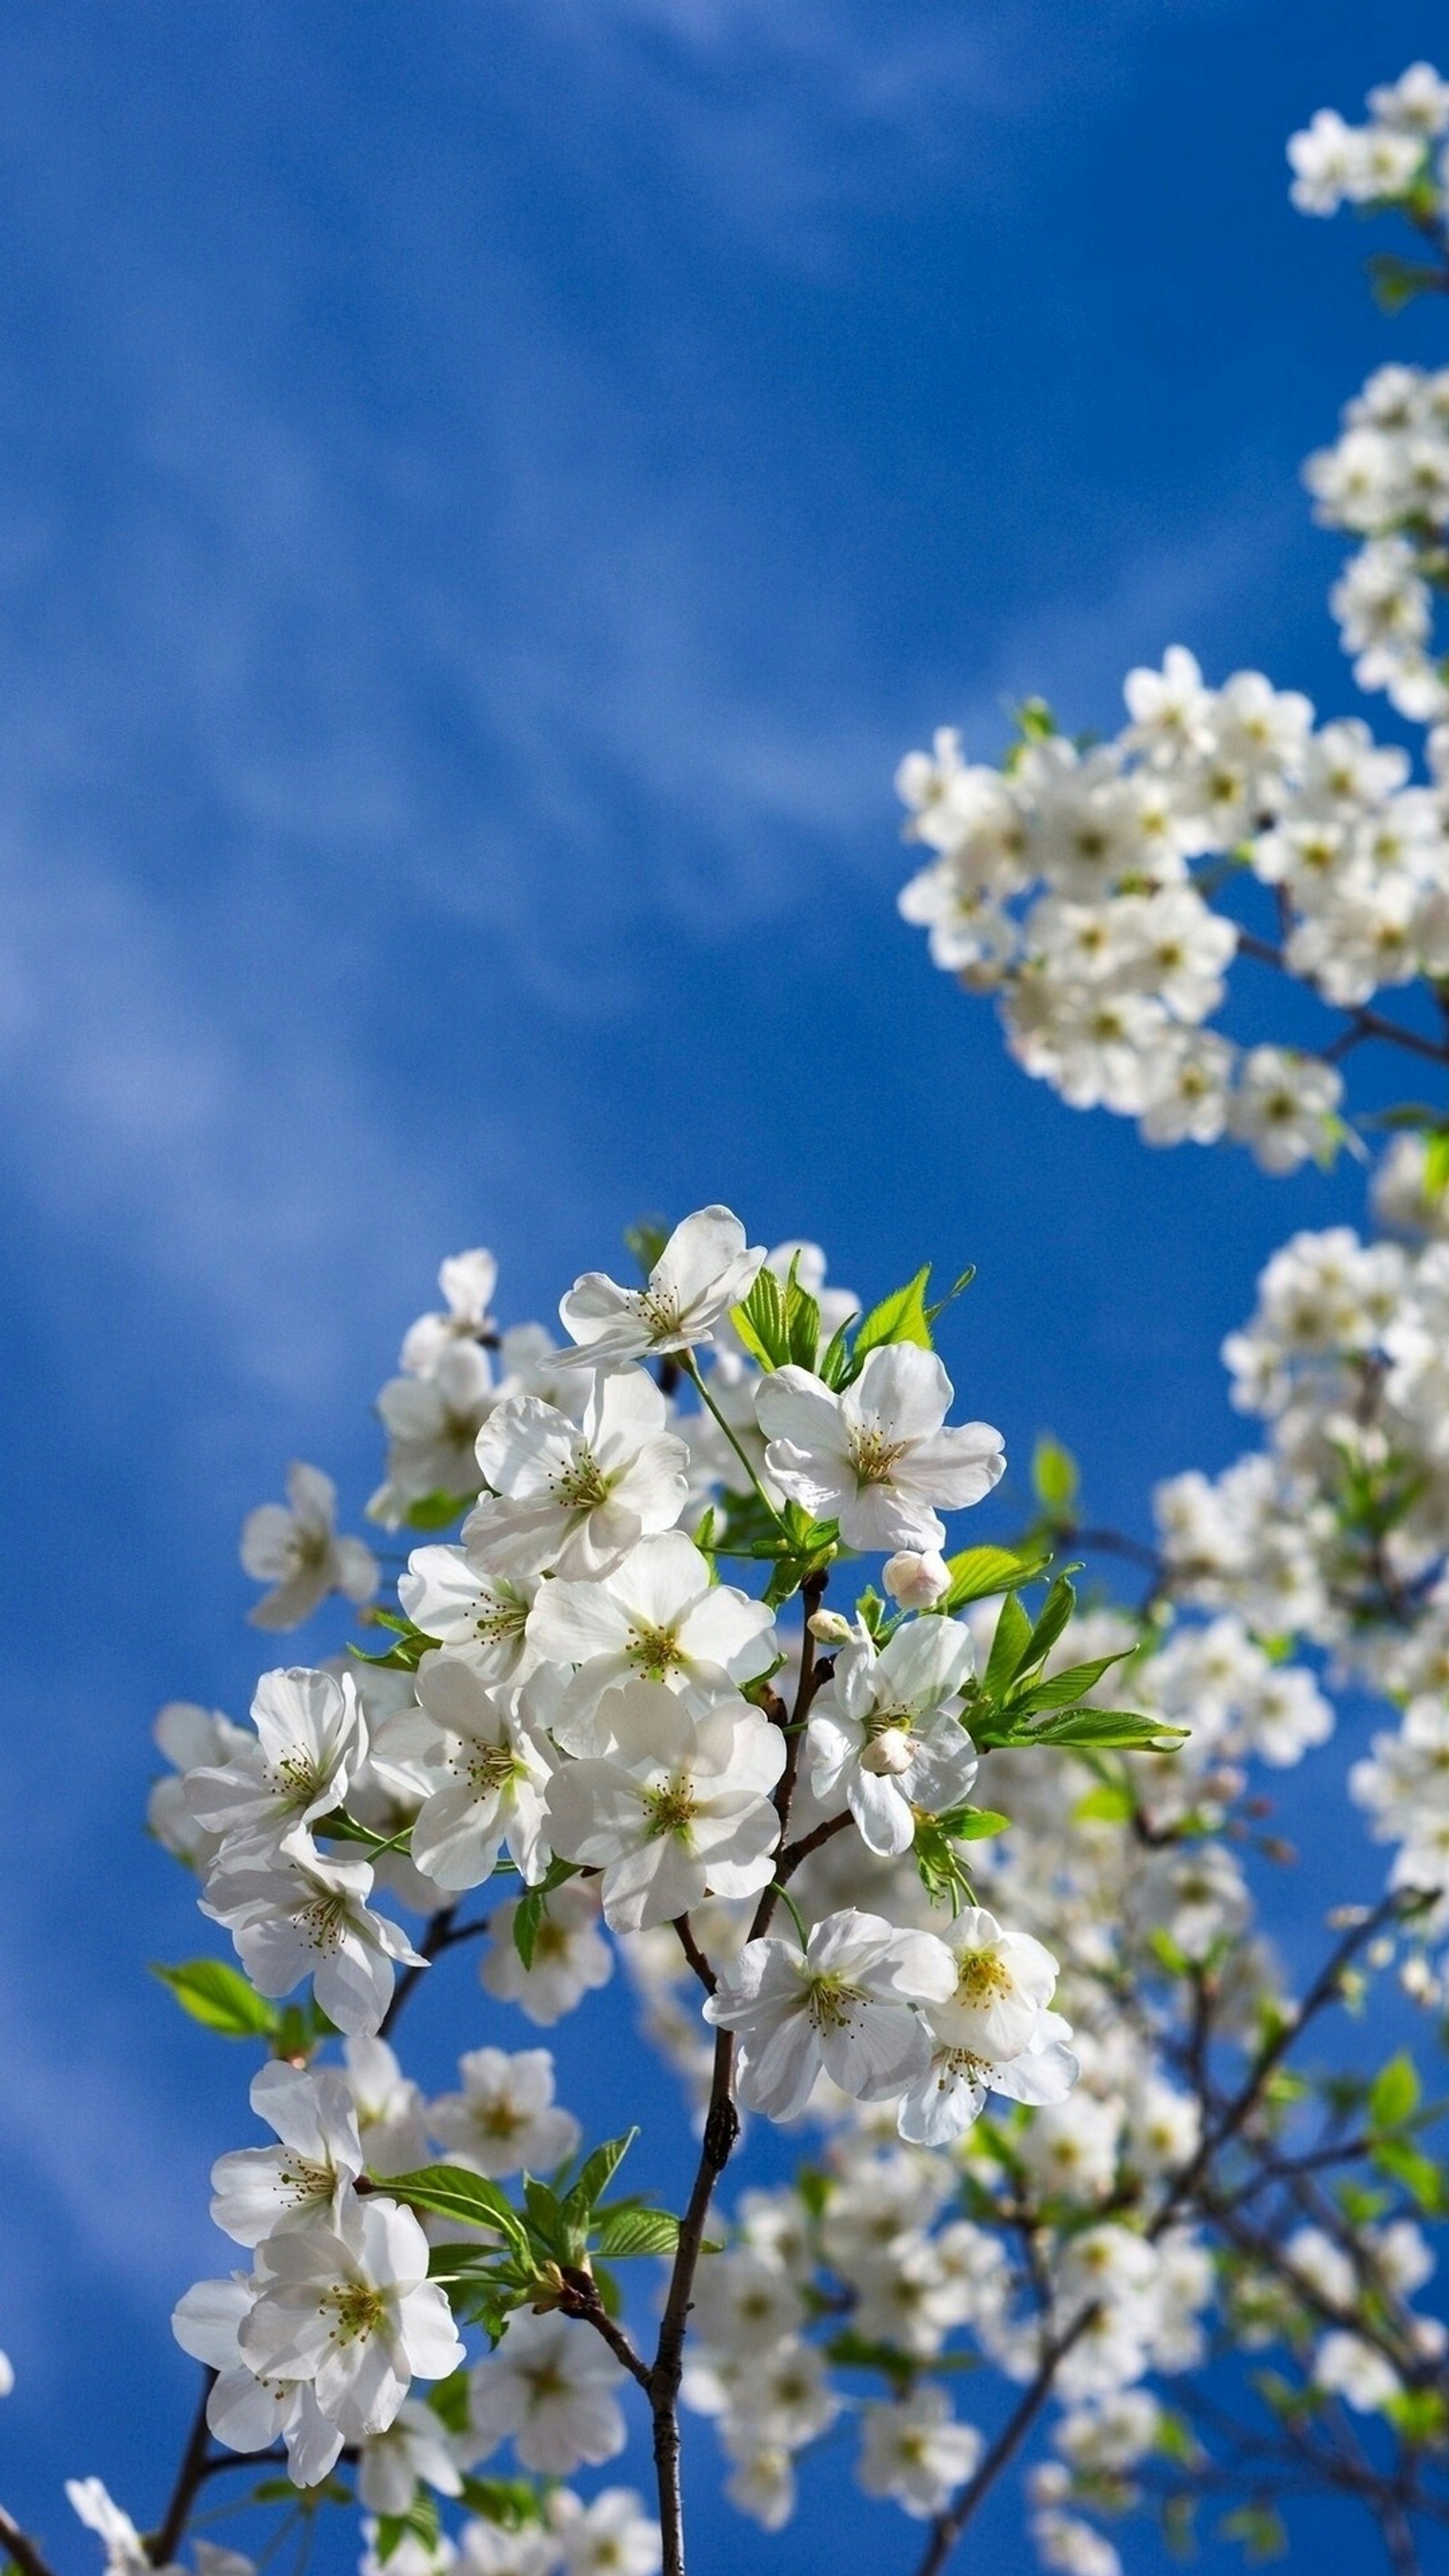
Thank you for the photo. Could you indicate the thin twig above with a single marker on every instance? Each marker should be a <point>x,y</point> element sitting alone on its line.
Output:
<point>163,2543</point>
<point>21,2547</point>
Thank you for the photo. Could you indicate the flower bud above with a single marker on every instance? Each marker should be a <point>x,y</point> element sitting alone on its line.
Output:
<point>916,1581</point>
<point>829,1629</point>
<point>890,1751</point>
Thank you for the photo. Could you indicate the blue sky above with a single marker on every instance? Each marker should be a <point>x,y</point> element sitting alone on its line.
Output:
<point>488,489</point>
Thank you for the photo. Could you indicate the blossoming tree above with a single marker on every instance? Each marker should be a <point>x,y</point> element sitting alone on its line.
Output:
<point>952,1871</point>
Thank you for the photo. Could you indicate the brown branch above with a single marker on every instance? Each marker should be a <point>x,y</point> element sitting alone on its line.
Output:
<point>684,1933</point>
<point>947,2528</point>
<point>584,2302</point>
<point>721,2129</point>
<point>441,1932</point>
<point>21,2547</point>
<point>1325,1990</point>
<point>162,2544</point>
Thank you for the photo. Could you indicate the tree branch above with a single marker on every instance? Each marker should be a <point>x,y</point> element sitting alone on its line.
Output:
<point>21,2547</point>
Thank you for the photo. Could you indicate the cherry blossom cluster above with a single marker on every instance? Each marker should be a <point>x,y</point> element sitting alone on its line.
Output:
<point>1386,480</point>
<point>1074,885</point>
<point>1103,891</point>
<point>955,1873</point>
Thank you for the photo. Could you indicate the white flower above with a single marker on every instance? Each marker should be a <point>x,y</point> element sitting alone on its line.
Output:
<point>350,2308</point>
<point>656,1617</point>
<point>1355,2371</point>
<point>433,1424</point>
<point>876,1458</point>
<point>413,2451</point>
<point>481,1615</point>
<point>885,1728</point>
<point>295,1548</point>
<point>389,2108</point>
<point>570,1956</point>
<point>993,2034</point>
<point>467,1281</point>
<point>258,2189</point>
<point>489,2550</point>
<point>611,2536</point>
<point>311,1741</point>
<point>193,1738</point>
<point>744,2303</point>
<point>550,2388</point>
<point>575,1497</point>
<point>498,1764</point>
<point>914,2452</point>
<point>844,2003</point>
<point>312,1918</point>
<point>705,1268</point>
<point>677,1808</point>
<point>505,2119</point>
<point>1283,1107</point>
<point>244,2412</point>
<point>125,2550</point>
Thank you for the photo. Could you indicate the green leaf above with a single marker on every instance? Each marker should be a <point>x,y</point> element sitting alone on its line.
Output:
<point>436,1511</point>
<point>901,1317</point>
<point>1436,1165</point>
<point>449,2191</point>
<point>510,2502</point>
<point>449,2400</point>
<point>646,1239</point>
<point>1055,1612</point>
<point>961,1282</point>
<point>1008,1648</point>
<point>835,1364</point>
<point>546,2219</point>
<point>220,1998</point>
<point>978,1571</point>
<point>1107,1730</point>
<point>1396,282</point>
<point>1259,2529</point>
<point>628,2231</point>
<point>1418,2173</point>
<point>1063,1689</point>
<point>802,1321</point>
<point>762,1321</point>
<point>597,2172</point>
<point>973,1824</point>
<point>1055,1477</point>
<point>1109,1804</point>
<point>420,2522</point>
<point>532,1906</point>
<point>1394,2093</point>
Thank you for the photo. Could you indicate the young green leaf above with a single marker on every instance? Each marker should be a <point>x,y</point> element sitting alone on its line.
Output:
<point>219,1997</point>
<point>532,1906</point>
<point>1106,1730</point>
<point>1055,1478</point>
<point>901,1317</point>
<point>1008,1648</point>
<point>636,2231</point>
<point>449,2191</point>
<point>596,2173</point>
<point>1394,2093</point>
<point>978,1571</point>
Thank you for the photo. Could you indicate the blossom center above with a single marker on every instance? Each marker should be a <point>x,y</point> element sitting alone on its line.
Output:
<point>656,1651</point>
<point>981,1977</point>
<point>873,1456</point>
<point>670,1809</point>
<point>830,2000</point>
<point>358,2308</point>
<point>583,1484</point>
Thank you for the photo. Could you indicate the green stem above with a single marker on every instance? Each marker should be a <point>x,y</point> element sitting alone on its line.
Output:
<point>692,1372</point>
